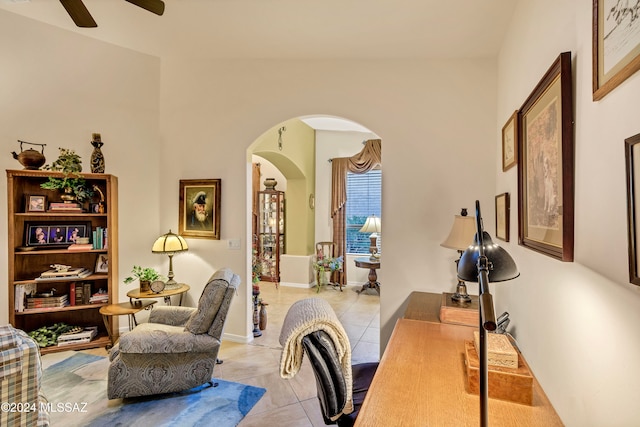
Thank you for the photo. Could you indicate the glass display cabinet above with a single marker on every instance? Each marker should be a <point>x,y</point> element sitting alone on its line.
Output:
<point>271,232</point>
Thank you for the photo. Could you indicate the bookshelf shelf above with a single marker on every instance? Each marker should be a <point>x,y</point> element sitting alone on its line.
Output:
<point>28,263</point>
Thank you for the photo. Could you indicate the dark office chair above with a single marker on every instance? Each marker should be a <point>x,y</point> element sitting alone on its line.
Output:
<point>332,391</point>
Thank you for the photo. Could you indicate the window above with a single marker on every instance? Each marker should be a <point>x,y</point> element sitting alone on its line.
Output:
<point>364,192</point>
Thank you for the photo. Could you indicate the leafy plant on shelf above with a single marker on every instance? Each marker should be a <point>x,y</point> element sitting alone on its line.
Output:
<point>69,163</point>
<point>146,274</point>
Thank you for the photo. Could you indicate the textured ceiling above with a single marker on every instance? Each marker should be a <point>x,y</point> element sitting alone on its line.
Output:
<point>292,29</point>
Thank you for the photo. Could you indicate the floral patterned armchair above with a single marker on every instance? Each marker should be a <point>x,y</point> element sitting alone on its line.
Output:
<point>177,349</point>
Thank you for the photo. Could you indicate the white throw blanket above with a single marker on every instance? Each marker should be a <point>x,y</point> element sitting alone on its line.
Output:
<point>306,316</point>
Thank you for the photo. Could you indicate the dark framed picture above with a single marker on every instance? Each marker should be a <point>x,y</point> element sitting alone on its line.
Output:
<point>36,203</point>
<point>616,44</point>
<point>632,157</point>
<point>54,234</point>
<point>199,212</point>
<point>102,264</point>
<point>545,159</point>
<point>503,207</point>
<point>509,142</point>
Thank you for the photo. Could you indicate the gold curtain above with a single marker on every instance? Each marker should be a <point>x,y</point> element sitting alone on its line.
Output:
<point>364,161</point>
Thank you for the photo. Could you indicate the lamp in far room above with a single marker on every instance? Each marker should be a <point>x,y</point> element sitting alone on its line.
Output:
<point>170,244</point>
<point>373,226</point>
<point>460,238</point>
<point>485,262</point>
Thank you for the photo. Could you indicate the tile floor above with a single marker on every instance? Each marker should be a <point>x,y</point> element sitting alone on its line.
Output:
<point>294,402</point>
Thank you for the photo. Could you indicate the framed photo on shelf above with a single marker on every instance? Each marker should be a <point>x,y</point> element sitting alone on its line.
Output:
<point>503,207</point>
<point>632,157</point>
<point>36,203</point>
<point>54,234</point>
<point>616,44</point>
<point>199,209</point>
<point>545,159</point>
<point>102,264</point>
<point>509,142</point>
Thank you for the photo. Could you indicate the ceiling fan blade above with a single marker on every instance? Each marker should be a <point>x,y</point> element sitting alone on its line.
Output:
<point>79,13</point>
<point>155,6</point>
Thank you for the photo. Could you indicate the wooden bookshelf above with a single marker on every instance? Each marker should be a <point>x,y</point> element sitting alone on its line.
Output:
<point>26,262</point>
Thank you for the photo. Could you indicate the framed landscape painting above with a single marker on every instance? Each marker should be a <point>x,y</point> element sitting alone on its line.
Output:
<point>545,158</point>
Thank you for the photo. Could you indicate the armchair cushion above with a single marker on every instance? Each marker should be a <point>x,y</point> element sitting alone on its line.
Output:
<point>171,315</point>
<point>209,303</point>
<point>159,338</point>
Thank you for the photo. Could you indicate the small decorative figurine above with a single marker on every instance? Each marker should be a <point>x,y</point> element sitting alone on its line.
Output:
<point>97,158</point>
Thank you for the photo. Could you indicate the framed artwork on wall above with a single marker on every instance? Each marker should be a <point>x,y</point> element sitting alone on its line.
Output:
<point>503,205</point>
<point>545,158</point>
<point>616,44</point>
<point>509,142</point>
<point>632,157</point>
<point>199,212</point>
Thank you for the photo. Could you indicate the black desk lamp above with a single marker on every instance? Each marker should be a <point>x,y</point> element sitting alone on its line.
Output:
<point>485,262</point>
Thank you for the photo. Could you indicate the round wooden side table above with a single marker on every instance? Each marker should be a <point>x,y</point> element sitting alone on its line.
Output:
<point>123,309</point>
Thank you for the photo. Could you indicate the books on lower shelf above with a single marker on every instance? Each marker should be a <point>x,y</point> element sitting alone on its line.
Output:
<point>81,337</point>
<point>20,295</point>
<point>64,207</point>
<point>47,302</point>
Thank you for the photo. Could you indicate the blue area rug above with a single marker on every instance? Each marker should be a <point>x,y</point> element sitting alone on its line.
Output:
<point>77,386</point>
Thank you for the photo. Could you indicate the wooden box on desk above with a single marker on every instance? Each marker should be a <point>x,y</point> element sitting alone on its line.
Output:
<point>459,313</point>
<point>512,384</point>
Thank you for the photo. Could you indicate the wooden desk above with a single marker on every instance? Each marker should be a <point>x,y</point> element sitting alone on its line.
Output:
<point>166,294</point>
<point>421,381</point>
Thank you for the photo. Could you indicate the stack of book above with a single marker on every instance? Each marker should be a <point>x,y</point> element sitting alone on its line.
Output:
<point>47,302</point>
<point>80,247</point>
<point>80,293</point>
<point>100,238</point>
<point>72,273</point>
<point>100,297</point>
<point>83,336</point>
<point>64,207</point>
<point>21,292</point>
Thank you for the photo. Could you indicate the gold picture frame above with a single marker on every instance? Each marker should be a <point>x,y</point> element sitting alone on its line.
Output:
<point>199,213</point>
<point>509,142</point>
<point>503,209</point>
<point>616,45</point>
<point>545,159</point>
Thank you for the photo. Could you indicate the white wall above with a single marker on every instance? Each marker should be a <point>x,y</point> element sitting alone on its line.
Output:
<point>436,119</point>
<point>576,322</point>
<point>57,88</point>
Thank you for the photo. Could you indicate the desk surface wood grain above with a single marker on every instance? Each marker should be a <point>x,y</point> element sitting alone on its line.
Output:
<point>421,382</point>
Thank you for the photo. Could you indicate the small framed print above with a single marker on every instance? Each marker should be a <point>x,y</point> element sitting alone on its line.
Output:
<point>102,264</point>
<point>36,203</point>
<point>509,144</point>
<point>503,207</point>
<point>199,210</point>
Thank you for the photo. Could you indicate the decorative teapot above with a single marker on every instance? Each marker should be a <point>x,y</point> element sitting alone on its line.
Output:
<point>30,158</point>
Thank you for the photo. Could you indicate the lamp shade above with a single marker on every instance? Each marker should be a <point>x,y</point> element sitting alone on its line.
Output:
<point>501,266</point>
<point>169,243</point>
<point>372,225</point>
<point>461,234</point>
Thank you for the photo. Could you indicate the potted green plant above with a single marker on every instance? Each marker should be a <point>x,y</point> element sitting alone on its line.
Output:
<point>72,184</point>
<point>144,275</point>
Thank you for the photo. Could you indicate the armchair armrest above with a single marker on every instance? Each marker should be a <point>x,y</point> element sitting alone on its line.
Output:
<point>170,315</point>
